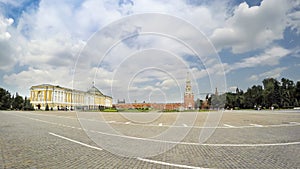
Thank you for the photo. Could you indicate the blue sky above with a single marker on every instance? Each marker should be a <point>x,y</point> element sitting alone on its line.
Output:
<point>40,42</point>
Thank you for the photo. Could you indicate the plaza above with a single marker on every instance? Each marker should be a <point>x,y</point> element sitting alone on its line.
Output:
<point>69,139</point>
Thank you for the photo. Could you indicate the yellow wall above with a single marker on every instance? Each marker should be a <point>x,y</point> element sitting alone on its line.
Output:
<point>71,98</point>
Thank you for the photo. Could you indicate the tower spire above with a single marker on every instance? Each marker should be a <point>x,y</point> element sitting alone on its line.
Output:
<point>216,92</point>
<point>188,94</point>
<point>188,86</point>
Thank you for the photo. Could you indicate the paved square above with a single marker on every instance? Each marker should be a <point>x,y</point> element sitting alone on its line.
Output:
<point>242,139</point>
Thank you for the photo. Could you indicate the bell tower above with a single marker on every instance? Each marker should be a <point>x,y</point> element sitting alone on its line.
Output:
<point>189,102</point>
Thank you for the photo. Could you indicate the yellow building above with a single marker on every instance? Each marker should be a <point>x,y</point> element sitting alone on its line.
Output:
<point>58,98</point>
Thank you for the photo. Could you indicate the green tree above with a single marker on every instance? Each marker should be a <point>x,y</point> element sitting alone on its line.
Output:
<point>271,93</point>
<point>287,91</point>
<point>18,102</point>
<point>240,98</point>
<point>47,107</point>
<point>27,104</point>
<point>218,101</point>
<point>297,93</point>
<point>5,99</point>
<point>230,100</point>
<point>198,103</point>
<point>253,96</point>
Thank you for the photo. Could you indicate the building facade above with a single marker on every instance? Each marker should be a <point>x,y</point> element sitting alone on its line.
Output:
<point>58,98</point>
<point>151,106</point>
<point>189,103</point>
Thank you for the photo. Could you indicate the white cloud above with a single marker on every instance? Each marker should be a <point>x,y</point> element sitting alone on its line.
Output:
<point>270,57</point>
<point>46,41</point>
<point>274,73</point>
<point>11,48</point>
<point>232,88</point>
<point>23,80</point>
<point>294,19</point>
<point>4,24</point>
<point>255,27</point>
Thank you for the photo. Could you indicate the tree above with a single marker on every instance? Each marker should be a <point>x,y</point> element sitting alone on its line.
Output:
<point>198,103</point>
<point>47,107</point>
<point>18,102</point>
<point>27,104</point>
<point>271,94</point>
<point>287,91</point>
<point>218,101</point>
<point>230,100</point>
<point>297,93</point>
<point>5,99</point>
<point>240,99</point>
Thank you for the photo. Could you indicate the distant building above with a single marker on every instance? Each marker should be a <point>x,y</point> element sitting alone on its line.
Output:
<point>121,101</point>
<point>58,97</point>
<point>156,106</point>
<point>189,103</point>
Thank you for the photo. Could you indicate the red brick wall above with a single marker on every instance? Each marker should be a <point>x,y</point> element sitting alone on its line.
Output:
<point>159,106</point>
<point>189,102</point>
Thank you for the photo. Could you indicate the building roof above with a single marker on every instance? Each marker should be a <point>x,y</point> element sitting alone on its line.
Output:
<point>94,90</point>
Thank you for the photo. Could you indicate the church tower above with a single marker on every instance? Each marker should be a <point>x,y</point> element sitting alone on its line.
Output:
<point>189,102</point>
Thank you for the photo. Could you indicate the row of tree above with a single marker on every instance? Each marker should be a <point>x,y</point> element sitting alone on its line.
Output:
<point>273,94</point>
<point>13,102</point>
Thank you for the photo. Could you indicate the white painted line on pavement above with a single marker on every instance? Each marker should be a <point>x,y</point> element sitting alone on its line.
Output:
<point>111,121</point>
<point>184,125</point>
<point>257,125</point>
<point>227,125</point>
<point>74,141</point>
<point>160,124</point>
<point>169,164</point>
<point>141,159</point>
<point>200,127</point>
<point>127,122</point>
<point>200,144</point>
<point>177,142</point>
<point>251,145</point>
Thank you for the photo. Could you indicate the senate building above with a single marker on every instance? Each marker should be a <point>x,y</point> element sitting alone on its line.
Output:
<point>61,98</point>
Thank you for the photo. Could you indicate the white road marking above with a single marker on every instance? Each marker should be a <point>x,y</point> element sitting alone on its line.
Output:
<point>111,121</point>
<point>184,125</point>
<point>200,144</point>
<point>182,143</point>
<point>74,141</point>
<point>169,164</point>
<point>200,127</point>
<point>160,124</point>
<point>252,145</point>
<point>127,122</point>
<point>227,125</point>
<point>257,125</point>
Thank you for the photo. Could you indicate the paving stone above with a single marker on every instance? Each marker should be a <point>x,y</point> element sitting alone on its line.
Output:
<point>26,143</point>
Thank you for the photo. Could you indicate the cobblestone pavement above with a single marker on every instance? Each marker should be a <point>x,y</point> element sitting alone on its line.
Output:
<point>243,139</point>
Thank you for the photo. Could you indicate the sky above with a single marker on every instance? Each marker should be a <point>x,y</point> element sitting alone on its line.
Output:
<point>143,50</point>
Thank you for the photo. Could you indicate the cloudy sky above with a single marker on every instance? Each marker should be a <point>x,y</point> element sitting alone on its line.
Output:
<point>142,50</point>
